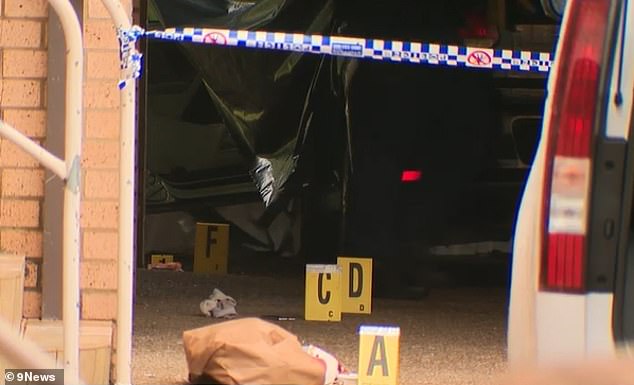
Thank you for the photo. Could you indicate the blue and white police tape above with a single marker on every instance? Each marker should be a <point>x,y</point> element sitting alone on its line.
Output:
<point>375,49</point>
<point>129,55</point>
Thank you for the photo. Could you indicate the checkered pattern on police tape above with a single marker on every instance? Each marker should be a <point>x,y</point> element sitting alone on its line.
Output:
<point>386,50</point>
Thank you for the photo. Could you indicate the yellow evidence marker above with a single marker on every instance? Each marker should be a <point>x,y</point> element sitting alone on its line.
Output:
<point>155,259</point>
<point>356,285</point>
<point>379,355</point>
<point>211,251</point>
<point>323,293</point>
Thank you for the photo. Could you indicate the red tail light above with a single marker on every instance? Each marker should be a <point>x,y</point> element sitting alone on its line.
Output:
<point>478,29</point>
<point>570,145</point>
<point>411,176</point>
<point>476,26</point>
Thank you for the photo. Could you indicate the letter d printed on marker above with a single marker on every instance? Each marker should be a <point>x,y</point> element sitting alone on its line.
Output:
<point>356,284</point>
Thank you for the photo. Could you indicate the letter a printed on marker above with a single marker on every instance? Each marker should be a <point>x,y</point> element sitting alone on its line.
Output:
<point>378,356</point>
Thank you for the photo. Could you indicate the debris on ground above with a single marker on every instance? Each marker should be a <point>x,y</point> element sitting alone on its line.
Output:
<point>279,317</point>
<point>455,337</point>
<point>171,266</point>
<point>334,368</point>
<point>347,379</point>
<point>250,351</point>
<point>219,305</point>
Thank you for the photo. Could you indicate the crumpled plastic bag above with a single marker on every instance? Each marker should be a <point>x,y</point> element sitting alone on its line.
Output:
<point>219,305</point>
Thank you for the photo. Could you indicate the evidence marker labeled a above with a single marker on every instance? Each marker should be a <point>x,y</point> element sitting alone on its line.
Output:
<point>356,285</point>
<point>379,355</point>
<point>211,251</point>
<point>323,293</point>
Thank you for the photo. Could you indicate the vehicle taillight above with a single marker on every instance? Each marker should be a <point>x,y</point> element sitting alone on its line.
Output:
<point>411,176</point>
<point>570,145</point>
<point>477,30</point>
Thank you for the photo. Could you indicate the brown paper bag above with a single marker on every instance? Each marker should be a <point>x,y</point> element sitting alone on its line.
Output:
<point>249,351</point>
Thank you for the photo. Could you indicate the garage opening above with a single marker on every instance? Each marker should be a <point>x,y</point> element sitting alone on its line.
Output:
<point>311,157</point>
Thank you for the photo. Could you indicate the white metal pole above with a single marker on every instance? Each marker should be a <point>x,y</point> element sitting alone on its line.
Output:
<point>47,159</point>
<point>72,154</point>
<point>125,282</point>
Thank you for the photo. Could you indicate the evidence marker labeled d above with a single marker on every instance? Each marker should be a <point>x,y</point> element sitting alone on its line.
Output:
<point>356,285</point>
<point>323,293</point>
<point>379,355</point>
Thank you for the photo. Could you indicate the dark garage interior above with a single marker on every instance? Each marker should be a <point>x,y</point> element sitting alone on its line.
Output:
<point>304,155</point>
<point>310,157</point>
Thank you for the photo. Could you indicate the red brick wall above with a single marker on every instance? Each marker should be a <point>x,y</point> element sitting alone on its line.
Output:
<point>100,161</point>
<point>23,105</point>
<point>23,53</point>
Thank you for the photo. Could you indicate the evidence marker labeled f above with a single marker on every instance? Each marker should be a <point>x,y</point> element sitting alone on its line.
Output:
<point>379,355</point>
<point>323,293</point>
<point>356,285</point>
<point>211,250</point>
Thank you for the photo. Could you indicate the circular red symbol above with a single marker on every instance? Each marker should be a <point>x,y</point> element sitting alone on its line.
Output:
<point>215,38</point>
<point>479,58</point>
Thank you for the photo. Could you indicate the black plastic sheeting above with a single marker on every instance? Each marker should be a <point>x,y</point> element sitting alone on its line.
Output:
<point>347,127</point>
<point>265,98</point>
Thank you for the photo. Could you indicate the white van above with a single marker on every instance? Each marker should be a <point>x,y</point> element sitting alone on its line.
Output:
<point>572,290</point>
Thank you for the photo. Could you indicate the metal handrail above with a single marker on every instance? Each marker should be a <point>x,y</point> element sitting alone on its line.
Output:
<point>69,170</point>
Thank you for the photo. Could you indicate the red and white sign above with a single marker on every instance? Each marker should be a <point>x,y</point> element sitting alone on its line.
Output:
<point>215,38</point>
<point>479,58</point>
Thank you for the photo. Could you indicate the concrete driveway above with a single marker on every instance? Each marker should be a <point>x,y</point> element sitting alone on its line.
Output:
<point>455,336</point>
